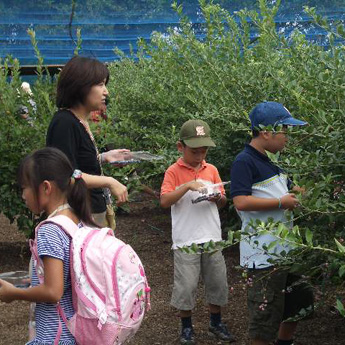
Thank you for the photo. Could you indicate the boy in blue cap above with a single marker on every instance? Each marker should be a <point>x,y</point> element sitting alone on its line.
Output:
<point>260,190</point>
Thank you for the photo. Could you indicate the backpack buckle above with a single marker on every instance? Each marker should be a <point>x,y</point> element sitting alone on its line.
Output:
<point>102,319</point>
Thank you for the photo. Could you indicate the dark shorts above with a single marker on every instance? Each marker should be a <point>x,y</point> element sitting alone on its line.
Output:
<point>275,297</point>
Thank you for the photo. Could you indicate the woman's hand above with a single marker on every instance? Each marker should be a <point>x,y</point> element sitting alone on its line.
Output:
<point>6,291</point>
<point>119,191</point>
<point>116,155</point>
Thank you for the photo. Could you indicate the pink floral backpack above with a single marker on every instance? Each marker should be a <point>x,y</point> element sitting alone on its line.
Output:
<point>109,287</point>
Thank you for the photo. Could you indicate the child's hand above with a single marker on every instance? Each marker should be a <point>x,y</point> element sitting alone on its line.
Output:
<point>298,190</point>
<point>5,291</point>
<point>119,191</point>
<point>215,197</point>
<point>289,201</point>
<point>195,186</point>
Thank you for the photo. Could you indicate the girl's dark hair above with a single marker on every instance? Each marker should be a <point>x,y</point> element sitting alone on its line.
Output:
<point>77,78</point>
<point>53,165</point>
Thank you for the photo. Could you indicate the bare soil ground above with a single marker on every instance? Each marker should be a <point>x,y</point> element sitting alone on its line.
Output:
<point>147,229</point>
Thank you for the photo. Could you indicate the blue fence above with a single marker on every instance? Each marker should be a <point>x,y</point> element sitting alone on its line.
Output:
<point>106,24</point>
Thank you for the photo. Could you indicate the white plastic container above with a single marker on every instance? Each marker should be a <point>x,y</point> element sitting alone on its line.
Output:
<point>137,157</point>
<point>19,279</point>
<point>209,191</point>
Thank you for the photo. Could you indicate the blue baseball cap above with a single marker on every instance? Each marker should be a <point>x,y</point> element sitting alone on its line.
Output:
<point>274,114</point>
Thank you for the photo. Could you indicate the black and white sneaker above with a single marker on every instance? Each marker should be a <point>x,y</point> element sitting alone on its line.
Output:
<point>221,332</point>
<point>187,336</point>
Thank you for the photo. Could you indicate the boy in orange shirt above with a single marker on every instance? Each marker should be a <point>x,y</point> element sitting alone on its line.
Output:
<point>196,223</point>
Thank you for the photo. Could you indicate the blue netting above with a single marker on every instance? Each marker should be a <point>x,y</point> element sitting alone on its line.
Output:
<point>106,24</point>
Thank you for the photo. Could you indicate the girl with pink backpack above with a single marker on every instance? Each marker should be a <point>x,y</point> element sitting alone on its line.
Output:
<point>89,287</point>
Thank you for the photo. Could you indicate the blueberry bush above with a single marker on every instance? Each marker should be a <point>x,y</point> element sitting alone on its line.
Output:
<point>241,60</point>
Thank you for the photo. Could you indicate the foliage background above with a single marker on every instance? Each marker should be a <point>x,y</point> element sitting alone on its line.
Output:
<point>219,79</point>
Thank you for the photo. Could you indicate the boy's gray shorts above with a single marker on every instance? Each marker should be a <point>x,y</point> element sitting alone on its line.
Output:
<point>187,271</point>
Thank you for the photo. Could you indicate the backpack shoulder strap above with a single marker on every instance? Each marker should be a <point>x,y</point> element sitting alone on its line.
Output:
<point>66,224</point>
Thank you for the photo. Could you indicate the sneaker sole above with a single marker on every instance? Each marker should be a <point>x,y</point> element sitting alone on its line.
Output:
<point>188,342</point>
<point>232,340</point>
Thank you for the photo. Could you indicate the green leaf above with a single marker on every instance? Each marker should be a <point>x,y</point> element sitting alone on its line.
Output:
<point>340,307</point>
<point>230,236</point>
<point>341,248</point>
<point>195,248</point>
<point>340,30</point>
<point>279,229</point>
<point>309,237</point>
<point>341,271</point>
<point>271,245</point>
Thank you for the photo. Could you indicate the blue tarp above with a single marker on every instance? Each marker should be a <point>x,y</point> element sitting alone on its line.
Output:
<point>106,24</point>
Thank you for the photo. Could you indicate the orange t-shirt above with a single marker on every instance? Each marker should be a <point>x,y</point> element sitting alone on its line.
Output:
<point>192,223</point>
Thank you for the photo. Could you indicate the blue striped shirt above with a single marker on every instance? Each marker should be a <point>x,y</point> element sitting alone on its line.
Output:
<point>52,241</point>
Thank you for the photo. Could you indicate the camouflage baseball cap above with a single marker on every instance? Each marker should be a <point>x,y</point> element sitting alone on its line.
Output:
<point>196,133</point>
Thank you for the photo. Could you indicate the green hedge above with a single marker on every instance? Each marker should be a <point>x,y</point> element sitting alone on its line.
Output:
<point>177,77</point>
<point>220,79</point>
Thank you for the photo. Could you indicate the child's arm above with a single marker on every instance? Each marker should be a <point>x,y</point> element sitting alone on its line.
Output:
<point>173,197</point>
<point>116,188</point>
<point>50,291</point>
<point>252,203</point>
<point>242,177</point>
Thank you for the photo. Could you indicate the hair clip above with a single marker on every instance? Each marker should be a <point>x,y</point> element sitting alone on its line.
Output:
<point>77,174</point>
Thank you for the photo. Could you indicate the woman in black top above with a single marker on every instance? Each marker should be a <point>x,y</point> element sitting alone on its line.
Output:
<point>81,89</point>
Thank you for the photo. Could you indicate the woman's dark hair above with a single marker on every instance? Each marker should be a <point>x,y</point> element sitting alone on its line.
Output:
<point>53,165</point>
<point>76,80</point>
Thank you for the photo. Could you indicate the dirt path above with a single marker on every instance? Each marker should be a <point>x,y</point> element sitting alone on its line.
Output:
<point>147,229</point>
